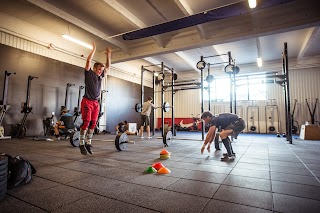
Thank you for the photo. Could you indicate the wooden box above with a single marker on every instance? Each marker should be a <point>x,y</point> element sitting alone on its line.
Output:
<point>310,132</point>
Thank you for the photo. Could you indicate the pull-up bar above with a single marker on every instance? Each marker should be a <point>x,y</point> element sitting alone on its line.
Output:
<point>215,55</point>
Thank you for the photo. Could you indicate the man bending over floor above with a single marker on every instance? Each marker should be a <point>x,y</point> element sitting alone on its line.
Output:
<point>230,124</point>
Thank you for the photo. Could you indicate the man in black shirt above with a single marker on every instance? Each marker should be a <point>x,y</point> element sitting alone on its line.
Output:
<point>229,123</point>
<point>90,105</point>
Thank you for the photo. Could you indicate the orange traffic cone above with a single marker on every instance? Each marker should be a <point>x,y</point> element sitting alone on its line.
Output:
<point>164,170</point>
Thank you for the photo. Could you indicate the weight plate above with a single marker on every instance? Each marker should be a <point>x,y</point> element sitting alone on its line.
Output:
<point>294,130</point>
<point>166,106</point>
<point>175,76</point>
<point>138,107</point>
<point>167,138</point>
<point>201,65</point>
<point>253,128</point>
<point>75,139</point>
<point>209,78</point>
<point>272,128</point>
<point>121,141</point>
<point>236,70</point>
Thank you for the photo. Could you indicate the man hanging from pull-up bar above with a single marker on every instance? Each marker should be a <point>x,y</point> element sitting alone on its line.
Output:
<point>90,104</point>
<point>231,124</point>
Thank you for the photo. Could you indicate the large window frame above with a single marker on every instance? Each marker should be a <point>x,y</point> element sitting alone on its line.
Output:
<point>247,88</point>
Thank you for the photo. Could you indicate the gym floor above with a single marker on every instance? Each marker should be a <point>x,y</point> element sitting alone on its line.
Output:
<point>268,175</point>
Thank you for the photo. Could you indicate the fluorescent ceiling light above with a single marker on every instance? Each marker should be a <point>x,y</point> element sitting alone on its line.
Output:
<point>252,3</point>
<point>77,41</point>
<point>259,62</point>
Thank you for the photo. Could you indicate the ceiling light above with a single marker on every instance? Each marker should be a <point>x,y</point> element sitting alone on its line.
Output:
<point>77,41</point>
<point>252,3</point>
<point>259,62</point>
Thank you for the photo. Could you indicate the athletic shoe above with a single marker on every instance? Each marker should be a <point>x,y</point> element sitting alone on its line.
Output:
<point>226,154</point>
<point>149,137</point>
<point>141,137</point>
<point>83,150</point>
<point>88,148</point>
<point>57,137</point>
<point>227,158</point>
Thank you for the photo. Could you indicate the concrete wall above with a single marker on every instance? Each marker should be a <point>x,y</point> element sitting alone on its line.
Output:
<point>48,91</point>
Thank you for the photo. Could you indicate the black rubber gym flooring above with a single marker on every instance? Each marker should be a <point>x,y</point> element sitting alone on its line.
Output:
<point>268,175</point>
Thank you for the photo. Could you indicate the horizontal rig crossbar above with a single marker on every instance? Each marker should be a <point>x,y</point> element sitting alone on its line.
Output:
<point>153,65</point>
<point>212,56</point>
<point>185,84</point>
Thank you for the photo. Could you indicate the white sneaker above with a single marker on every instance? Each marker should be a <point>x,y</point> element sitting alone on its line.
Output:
<point>141,137</point>
<point>149,137</point>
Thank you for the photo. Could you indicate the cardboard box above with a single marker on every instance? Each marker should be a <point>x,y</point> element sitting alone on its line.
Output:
<point>132,127</point>
<point>310,132</point>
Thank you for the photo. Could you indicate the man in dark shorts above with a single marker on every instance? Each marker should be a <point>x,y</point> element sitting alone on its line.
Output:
<point>145,116</point>
<point>89,104</point>
<point>229,123</point>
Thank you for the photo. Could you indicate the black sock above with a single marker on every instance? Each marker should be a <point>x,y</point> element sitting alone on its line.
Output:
<point>230,145</point>
<point>227,144</point>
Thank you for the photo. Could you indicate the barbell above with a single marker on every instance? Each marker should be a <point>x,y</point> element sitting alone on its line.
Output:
<point>165,106</point>
<point>121,140</point>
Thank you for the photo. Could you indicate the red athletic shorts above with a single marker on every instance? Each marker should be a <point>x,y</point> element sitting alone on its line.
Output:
<point>89,112</point>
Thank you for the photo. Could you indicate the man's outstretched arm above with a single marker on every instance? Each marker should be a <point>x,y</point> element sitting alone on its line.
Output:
<point>108,59</point>
<point>90,56</point>
<point>209,137</point>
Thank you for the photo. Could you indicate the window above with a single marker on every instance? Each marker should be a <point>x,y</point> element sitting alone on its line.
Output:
<point>248,88</point>
<point>257,88</point>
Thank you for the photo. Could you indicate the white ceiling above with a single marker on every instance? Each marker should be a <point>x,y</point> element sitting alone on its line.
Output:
<point>104,21</point>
